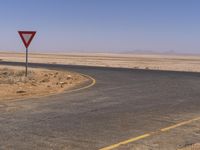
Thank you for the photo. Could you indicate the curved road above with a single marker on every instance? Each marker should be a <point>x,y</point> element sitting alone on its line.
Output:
<point>124,103</point>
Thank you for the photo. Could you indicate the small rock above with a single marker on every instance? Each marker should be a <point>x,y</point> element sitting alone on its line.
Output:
<point>21,91</point>
<point>69,77</point>
<point>5,73</point>
<point>45,80</point>
<point>33,84</point>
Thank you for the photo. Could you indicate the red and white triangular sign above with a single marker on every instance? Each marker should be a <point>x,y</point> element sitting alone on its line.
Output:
<point>27,37</point>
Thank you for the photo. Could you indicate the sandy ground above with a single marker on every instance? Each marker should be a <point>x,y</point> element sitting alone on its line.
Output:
<point>140,61</point>
<point>14,84</point>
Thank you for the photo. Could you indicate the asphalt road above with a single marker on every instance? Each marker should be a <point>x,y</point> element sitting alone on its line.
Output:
<point>124,103</point>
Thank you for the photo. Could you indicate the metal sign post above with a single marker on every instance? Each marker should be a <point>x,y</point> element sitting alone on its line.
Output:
<point>26,62</point>
<point>27,37</point>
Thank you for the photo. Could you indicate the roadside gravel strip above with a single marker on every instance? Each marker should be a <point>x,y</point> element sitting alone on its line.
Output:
<point>14,84</point>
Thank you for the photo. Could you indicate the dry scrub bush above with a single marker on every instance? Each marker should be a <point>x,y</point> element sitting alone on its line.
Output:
<point>9,76</point>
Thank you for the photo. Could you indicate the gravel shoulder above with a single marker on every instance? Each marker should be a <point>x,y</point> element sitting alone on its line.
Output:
<point>14,84</point>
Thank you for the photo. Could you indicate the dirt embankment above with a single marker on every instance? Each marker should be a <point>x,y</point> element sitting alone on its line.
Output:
<point>14,84</point>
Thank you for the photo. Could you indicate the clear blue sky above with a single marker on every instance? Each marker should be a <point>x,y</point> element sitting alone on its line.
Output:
<point>102,25</point>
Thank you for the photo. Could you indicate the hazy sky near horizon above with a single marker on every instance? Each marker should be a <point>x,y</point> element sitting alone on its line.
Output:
<point>102,25</point>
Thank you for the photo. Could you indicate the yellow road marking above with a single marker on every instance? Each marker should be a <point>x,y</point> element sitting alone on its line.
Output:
<point>179,124</point>
<point>85,87</point>
<point>113,146</point>
<point>126,142</point>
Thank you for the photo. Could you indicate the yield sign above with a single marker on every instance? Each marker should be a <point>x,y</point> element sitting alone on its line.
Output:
<point>27,37</point>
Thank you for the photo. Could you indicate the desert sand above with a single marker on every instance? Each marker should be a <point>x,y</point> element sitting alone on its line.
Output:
<point>189,63</point>
<point>40,82</point>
